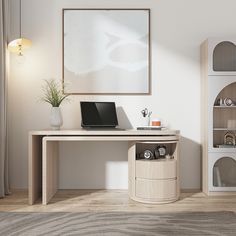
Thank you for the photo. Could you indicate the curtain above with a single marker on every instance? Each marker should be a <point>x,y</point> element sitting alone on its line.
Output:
<point>4,186</point>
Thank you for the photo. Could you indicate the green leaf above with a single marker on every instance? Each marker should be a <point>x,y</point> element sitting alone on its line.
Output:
<point>52,93</point>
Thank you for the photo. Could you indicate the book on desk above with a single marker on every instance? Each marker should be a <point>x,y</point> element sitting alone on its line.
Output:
<point>151,128</point>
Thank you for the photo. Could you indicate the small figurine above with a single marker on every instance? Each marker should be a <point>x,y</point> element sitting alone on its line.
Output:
<point>229,139</point>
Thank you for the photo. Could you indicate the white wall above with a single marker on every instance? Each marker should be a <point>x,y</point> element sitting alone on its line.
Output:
<point>177,29</point>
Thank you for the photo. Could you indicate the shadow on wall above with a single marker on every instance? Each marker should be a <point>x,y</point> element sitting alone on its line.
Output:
<point>123,119</point>
<point>93,165</point>
<point>96,165</point>
<point>190,154</point>
<point>103,165</point>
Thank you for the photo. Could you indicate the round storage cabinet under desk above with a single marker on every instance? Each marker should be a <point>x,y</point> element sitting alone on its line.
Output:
<point>154,178</point>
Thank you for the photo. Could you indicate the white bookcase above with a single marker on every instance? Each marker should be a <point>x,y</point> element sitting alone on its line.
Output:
<point>218,73</point>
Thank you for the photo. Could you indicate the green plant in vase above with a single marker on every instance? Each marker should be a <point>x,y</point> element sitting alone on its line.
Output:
<point>53,94</point>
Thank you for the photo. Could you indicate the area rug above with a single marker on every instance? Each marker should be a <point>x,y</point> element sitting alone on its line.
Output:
<point>117,223</point>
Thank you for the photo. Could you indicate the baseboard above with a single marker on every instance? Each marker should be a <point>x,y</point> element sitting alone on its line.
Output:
<point>18,190</point>
<point>184,190</point>
<point>190,190</point>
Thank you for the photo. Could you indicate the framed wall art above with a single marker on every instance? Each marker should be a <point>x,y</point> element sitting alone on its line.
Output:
<point>106,51</point>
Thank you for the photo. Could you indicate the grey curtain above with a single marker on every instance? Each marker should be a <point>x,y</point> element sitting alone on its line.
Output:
<point>4,186</point>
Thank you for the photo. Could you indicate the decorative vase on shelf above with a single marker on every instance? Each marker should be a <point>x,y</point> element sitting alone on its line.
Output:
<point>56,118</point>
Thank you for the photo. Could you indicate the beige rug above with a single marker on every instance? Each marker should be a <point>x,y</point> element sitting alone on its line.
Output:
<point>117,223</point>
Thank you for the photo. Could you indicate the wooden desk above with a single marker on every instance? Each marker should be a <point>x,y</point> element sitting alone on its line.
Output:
<point>43,154</point>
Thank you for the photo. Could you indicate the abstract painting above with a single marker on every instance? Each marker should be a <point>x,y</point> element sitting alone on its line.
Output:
<point>106,51</point>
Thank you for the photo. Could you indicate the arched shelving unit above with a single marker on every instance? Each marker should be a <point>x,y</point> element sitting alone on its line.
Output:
<point>218,119</point>
<point>224,116</point>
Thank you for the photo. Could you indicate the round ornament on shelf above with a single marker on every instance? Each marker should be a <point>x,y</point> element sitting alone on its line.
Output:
<point>160,151</point>
<point>147,154</point>
<point>228,102</point>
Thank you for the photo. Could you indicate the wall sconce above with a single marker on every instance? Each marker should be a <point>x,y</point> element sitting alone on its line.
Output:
<point>17,46</point>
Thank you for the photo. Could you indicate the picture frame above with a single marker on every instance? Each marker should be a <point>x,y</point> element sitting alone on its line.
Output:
<point>106,51</point>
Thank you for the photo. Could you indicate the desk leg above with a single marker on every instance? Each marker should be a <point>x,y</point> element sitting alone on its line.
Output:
<point>50,170</point>
<point>35,168</point>
<point>131,168</point>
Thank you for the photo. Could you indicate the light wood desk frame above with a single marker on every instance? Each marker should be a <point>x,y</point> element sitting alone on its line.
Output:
<point>43,154</point>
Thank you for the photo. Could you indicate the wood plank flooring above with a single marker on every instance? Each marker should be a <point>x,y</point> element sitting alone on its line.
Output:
<point>115,200</point>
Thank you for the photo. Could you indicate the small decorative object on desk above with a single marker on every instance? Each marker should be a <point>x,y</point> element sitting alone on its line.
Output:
<point>156,122</point>
<point>54,96</point>
<point>146,117</point>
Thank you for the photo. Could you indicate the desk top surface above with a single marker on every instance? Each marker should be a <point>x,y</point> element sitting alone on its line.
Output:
<point>83,132</point>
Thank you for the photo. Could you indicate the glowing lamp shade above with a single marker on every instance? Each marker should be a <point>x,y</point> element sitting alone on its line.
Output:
<point>17,46</point>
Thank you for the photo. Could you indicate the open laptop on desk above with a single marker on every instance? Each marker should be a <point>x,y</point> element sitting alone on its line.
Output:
<point>99,116</point>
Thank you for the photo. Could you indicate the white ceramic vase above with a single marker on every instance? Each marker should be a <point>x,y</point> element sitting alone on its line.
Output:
<point>56,118</point>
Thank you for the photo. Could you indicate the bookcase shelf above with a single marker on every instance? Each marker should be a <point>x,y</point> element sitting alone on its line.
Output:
<point>229,107</point>
<point>224,129</point>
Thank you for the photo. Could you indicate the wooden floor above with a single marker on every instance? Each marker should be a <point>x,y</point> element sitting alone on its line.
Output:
<point>115,200</point>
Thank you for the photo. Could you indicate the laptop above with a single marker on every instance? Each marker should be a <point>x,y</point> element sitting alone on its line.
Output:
<point>99,115</point>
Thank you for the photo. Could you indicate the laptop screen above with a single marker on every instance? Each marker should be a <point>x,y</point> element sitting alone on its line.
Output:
<point>98,114</point>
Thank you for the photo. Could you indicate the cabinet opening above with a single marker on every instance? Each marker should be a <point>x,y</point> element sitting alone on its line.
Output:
<point>224,172</point>
<point>159,150</point>
<point>224,57</point>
